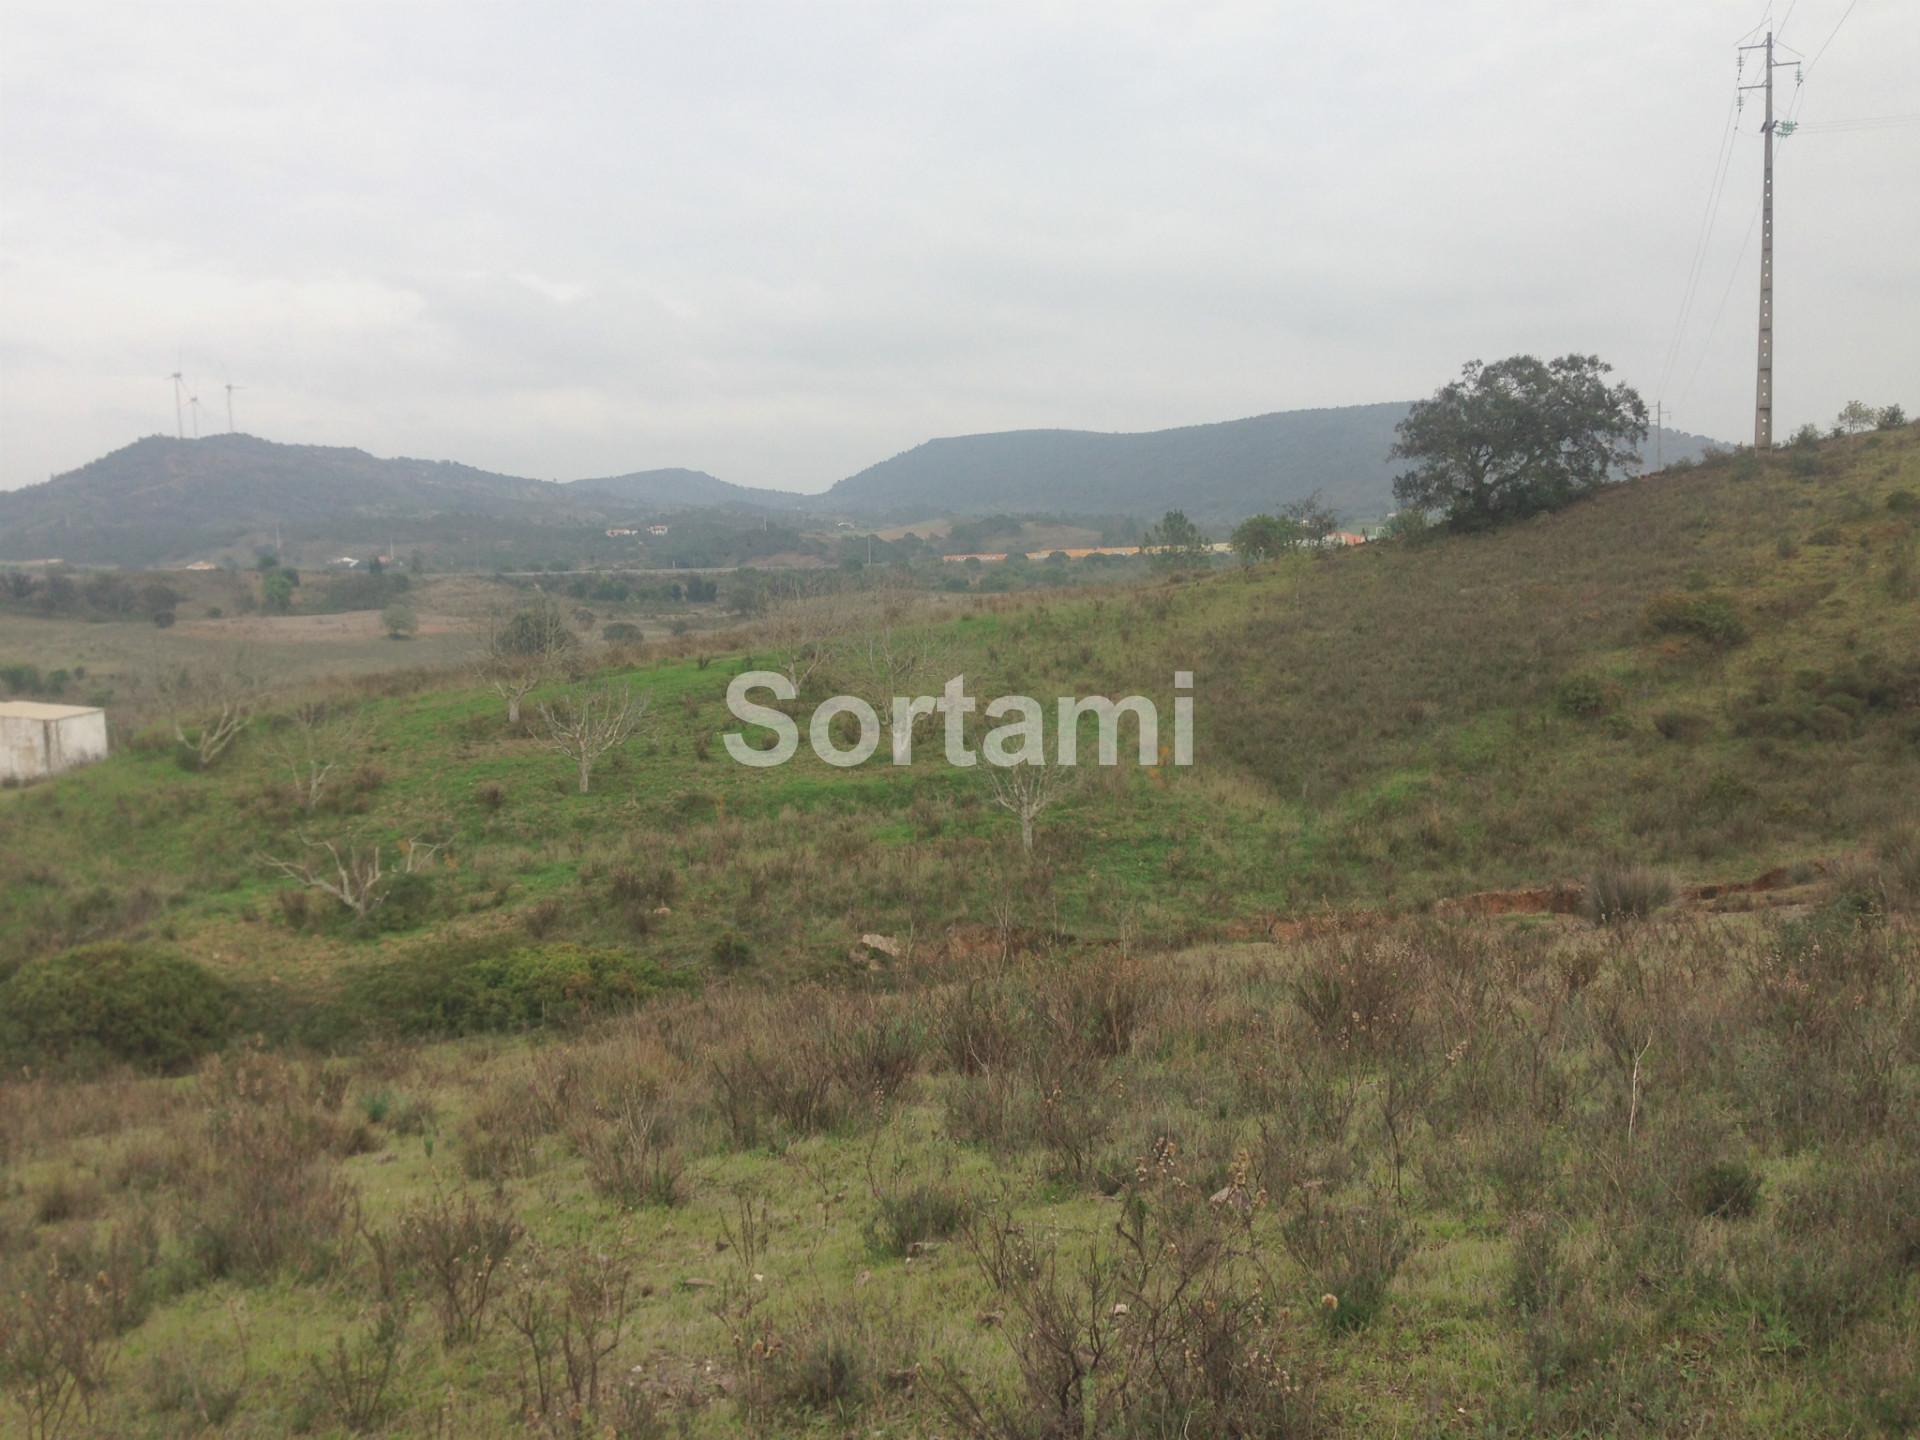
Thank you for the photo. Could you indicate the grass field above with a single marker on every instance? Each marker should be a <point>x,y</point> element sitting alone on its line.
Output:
<point>107,659</point>
<point>803,1101</point>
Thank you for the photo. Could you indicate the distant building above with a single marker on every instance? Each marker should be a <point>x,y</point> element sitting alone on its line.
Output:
<point>620,531</point>
<point>656,529</point>
<point>344,562</point>
<point>40,740</point>
<point>201,565</point>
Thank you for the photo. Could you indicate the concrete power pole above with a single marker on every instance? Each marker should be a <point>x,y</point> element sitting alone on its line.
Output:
<point>1763,376</point>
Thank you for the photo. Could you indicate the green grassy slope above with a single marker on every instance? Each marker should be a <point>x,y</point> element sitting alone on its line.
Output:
<point>1713,670</point>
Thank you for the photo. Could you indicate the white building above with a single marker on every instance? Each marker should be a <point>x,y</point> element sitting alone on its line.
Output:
<point>39,740</point>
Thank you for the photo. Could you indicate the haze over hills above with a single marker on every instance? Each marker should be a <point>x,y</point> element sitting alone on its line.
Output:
<point>686,487</point>
<point>1218,473</point>
<point>162,500</point>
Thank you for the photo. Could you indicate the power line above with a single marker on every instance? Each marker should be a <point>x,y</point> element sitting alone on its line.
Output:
<point>1800,94</point>
<point>1856,122</point>
<point>1835,31</point>
<point>1707,345</point>
<point>1722,163</point>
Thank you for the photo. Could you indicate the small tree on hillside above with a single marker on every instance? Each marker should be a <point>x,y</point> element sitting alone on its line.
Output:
<point>1314,519</point>
<point>807,632</point>
<point>276,591</point>
<point>891,661</point>
<point>1854,416</point>
<point>1024,791</point>
<point>1265,537</point>
<point>208,705</point>
<point>587,726</point>
<point>1517,437</point>
<point>399,621</point>
<point>522,651</point>
<point>1176,543</point>
<point>355,874</point>
<point>311,742</point>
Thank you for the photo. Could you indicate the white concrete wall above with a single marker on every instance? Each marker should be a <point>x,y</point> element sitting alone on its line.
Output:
<point>76,740</point>
<point>23,748</point>
<point>32,748</point>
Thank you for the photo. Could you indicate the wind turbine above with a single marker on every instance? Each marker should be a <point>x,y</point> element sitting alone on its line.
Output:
<point>193,404</point>
<point>231,387</point>
<point>179,419</point>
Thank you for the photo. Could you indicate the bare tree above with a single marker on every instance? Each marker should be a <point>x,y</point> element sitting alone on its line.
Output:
<point>892,661</point>
<point>207,705</point>
<point>522,651</point>
<point>806,633</point>
<point>587,726</point>
<point>354,874</point>
<point>1027,790</point>
<point>313,741</point>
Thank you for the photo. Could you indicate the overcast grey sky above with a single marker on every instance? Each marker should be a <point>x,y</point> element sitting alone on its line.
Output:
<point>782,241</point>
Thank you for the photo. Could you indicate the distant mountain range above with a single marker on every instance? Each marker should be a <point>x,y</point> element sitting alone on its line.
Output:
<point>162,500</point>
<point>1217,473</point>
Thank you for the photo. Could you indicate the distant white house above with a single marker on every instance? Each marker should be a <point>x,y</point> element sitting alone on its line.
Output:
<point>40,740</point>
<point>656,529</point>
<point>617,531</point>
<point>344,562</point>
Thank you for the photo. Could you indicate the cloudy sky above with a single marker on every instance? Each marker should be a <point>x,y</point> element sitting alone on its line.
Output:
<point>782,241</point>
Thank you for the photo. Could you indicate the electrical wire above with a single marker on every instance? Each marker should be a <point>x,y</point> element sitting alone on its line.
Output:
<point>1716,189</point>
<point>1712,329</point>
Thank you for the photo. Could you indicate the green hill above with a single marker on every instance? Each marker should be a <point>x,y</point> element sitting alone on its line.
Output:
<point>724,1101</point>
<point>163,501</point>
<point>1712,669</point>
<point>1218,473</point>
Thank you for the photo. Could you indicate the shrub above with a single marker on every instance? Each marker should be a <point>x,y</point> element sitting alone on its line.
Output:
<point>1617,893</point>
<point>827,1365</point>
<point>455,987</point>
<point>1725,1190</point>
<point>351,1382</point>
<point>1706,616</point>
<point>1583,696</point>
<point>261,1198</point>
<point>1683,726</point>
<point>629,1153</point>
<point>1352,1255</point>
<point>570,1313</point>
<point>905,1217</point>
<point>1167,1329</point>
<point>621,632</point>
<point>126,1002</point>
<point>56,1349</point>
<point>455,1250</point>
<point>729,952</point>
<point>1903,502</point>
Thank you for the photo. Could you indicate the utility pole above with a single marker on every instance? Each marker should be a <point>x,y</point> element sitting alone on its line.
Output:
<point>1763,376</point>
<point>1659,461</point>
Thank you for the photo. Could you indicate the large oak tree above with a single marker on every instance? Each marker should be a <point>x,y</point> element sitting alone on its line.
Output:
<point>1517,437</point>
